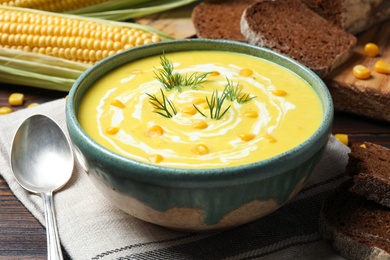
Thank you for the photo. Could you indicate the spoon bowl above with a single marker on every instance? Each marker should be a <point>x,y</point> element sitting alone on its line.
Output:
<point>42,162</point>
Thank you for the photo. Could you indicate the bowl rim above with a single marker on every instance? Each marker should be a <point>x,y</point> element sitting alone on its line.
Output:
<point>299,153</point>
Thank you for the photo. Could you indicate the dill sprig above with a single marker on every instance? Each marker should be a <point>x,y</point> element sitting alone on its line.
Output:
<point>215,105</point>
<point>234,92</point>
<point>165,107</point>
<point>171,79</point>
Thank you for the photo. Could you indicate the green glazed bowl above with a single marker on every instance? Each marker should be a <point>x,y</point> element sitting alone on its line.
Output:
<point>197,199</point>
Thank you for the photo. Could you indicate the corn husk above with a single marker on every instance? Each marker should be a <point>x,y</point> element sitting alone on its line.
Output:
<point>116,10</point>
<point>124,9</point>
<point>38,70</point>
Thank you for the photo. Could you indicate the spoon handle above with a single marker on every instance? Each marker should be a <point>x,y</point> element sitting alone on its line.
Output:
<point>53,243</point>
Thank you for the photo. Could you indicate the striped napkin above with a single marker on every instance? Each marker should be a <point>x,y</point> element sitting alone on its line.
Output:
<point>91,228</point>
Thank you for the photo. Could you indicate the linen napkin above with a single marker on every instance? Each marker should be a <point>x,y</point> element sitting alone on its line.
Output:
<point>91,228</point>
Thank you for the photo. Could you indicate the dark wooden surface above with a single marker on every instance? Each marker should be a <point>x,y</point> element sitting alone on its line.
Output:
<point>23,237</point>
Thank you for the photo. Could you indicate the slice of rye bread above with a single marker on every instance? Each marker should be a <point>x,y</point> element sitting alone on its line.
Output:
<point>369,166</point>
<point>291,28</point>
<point>355,227</point>
<point>351,15</point>
<point>218,19</point>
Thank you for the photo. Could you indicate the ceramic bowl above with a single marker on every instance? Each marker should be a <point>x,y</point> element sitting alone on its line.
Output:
<point>197,199</point>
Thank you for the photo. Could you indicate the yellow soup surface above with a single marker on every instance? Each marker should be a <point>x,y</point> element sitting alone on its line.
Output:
<point>267,111</point>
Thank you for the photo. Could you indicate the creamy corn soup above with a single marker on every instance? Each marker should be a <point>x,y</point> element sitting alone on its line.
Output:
<point>200,109</point>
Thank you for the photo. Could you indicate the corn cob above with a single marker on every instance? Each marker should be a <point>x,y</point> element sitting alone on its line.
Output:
<point>51,50</point>
<point>64,37</point>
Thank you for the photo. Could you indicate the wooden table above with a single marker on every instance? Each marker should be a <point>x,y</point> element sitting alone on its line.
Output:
<point>23,237</point>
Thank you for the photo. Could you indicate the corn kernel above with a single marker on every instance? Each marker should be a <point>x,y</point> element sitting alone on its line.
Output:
<point>190,110</point>
<point>32,105</point>
<point>117,103</point>
<point>112,130</point>
<point>200,149</point>
<point>269,138</point>
<point>154,131</point>
<point>361,72</point>
<point>16,99</point>
<point>343,138</point>
<point>155,158</point>
<point>5,110</point>
<point>199,101</point>
<point>246,72</point>
<point>363,146</point>
<point>371,49</point>
<point>199,124</point>
<point>279,92</point>
<point>214,73</point>
<point>246,137</point>
<point>382,66</point>
<point>251,114</point>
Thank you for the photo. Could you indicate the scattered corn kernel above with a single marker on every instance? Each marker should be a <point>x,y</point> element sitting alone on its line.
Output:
<point>269,138</point>
<point>198,101</point>
<point>246,72</point>
<point>200,149</point>
<point>117,103</point>
<point>201,102</point>
<point>382,66</point>
<point>16,99</point>
<point>5,110</point>
<point>363,146</point>
<point>32,105</point>
<point>371,49</point>
<point>154,131</point>
<point>155,158</point>
<point>251,114</point>
<point>199,124</point>
<point>361,72</point>
<point>112,130</point>
<point>246,137</point>
<point>190,110</point>
<point>214,73</point>
<point>343,138</point>
<point>279,92</point>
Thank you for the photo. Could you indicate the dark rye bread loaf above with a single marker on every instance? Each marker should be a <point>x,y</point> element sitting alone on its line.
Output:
<point>369,166</point>
<point>218,19</point>
<point>291,28</point>
<point>355,227</point>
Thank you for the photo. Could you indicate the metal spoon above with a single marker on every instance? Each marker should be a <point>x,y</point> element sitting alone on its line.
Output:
<point>42,162</point>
